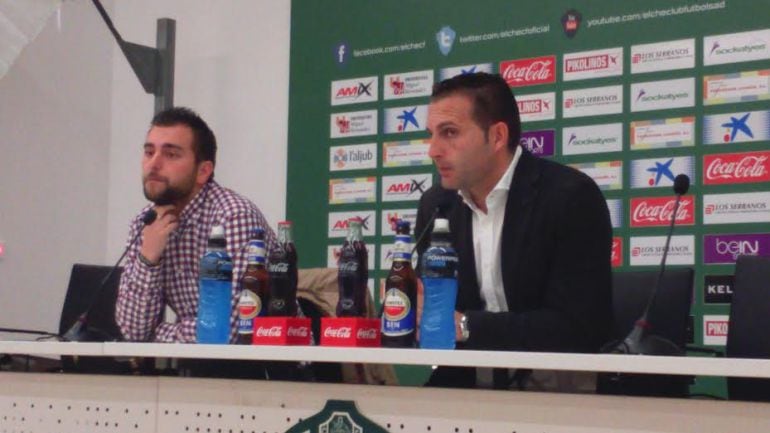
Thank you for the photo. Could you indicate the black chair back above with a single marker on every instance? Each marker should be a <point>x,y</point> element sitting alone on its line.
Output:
<point>747,334</point>
<point>667,318</point>
<point>668,315</point>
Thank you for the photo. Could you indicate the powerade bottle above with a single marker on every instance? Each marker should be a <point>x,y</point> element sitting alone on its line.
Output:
<point>439,279</point>
<point>212,325</point>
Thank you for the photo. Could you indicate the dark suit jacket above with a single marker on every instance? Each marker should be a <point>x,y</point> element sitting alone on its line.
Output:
<point>556,245</point>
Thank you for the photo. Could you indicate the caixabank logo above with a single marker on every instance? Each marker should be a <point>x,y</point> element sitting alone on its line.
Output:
<point>740,127</point>
<point>405,187</point>
<point>454,71</point>
<point>728,168</point>
<point>660,172</point>
<point>405,119</point>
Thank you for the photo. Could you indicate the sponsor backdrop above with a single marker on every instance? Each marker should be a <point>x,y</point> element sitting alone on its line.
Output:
<point>631,93</point>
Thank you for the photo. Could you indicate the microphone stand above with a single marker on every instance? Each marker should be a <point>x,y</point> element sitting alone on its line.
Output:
<point>638,341</point>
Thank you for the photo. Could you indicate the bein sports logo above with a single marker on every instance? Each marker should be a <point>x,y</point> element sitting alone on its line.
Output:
<point>735,248</point>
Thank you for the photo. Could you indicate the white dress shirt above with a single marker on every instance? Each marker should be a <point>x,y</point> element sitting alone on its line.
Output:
<point>487,235</point>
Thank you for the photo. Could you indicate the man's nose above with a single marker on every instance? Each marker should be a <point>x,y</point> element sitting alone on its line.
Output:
<point>434,149</point>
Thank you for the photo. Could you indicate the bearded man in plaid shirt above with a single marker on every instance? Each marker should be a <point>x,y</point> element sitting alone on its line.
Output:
<point>162,266</point>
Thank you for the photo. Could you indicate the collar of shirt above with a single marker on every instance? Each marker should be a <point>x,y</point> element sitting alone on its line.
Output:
<point>194,210</point>
<point>499,194</point>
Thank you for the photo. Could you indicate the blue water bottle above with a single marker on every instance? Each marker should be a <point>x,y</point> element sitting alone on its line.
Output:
<point>212,325</point>
<point>439,279</point>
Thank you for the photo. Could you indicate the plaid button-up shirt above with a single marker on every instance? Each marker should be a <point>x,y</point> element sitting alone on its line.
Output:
<point>145,290</point>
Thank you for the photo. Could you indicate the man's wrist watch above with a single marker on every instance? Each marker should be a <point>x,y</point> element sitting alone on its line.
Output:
<point>465,331</point>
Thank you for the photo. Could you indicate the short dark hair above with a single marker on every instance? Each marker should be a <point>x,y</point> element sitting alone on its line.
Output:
<point>492,99</point>
<point>204,141</point>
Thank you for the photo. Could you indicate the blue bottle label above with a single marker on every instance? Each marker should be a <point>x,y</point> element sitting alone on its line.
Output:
<point>398,314</point>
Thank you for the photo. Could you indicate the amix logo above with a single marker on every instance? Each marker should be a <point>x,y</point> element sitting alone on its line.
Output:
<point>353,92</point>
<point>407,188</point>
<point>718,289</point>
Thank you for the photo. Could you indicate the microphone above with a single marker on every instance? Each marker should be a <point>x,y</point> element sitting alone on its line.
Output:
<point>443,203</point>
<point>78,329</point>
<point>639,341</point>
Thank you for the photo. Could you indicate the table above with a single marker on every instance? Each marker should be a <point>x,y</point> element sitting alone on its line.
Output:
<point>38,402</point>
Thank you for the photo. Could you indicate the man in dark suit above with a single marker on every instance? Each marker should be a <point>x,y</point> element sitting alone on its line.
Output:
<point>533,236</point>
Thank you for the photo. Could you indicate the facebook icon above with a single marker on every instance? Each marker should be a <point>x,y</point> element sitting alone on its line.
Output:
<point>341,53</point>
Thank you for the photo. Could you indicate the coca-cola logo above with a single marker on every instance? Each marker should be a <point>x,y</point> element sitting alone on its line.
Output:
<point>341,332</point>
<point>657,211</point>
<point>366,334</point>
<point>616,257</point>
<point>736,168</point>
<point>527,72</point>
<point>273,331</point>
<point>348,266</point>
<point>297,331</point>
<point>278,267</point>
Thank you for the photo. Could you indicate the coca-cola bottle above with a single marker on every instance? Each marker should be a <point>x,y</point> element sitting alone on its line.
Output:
<point>353,273</point>
<point>255,289</point>
<point>399,308</point>
<point>282,269</point>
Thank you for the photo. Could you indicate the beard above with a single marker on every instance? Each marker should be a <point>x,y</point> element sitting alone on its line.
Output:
<point>170,194</point>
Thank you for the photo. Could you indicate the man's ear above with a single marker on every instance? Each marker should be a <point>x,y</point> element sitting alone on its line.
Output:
<point>205,171</point>
<point>498,135</point>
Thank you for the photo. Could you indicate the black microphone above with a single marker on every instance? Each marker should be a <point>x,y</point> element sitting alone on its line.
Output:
<point>443,203</point>
<point>77,330</point>
<point>639,341</point>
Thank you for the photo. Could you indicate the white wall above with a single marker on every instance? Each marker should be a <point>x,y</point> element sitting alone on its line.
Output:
<point>73,118</point>
<point>232,66</point>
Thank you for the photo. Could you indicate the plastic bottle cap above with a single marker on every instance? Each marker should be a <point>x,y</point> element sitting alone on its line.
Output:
<point>217,231</point>
<point>441,225</point>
